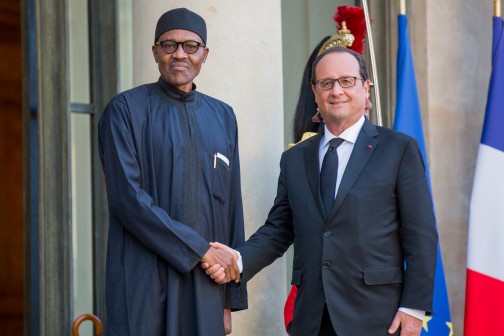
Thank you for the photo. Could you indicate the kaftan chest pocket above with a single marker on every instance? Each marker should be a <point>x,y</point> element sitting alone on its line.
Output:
<point>221,178</point>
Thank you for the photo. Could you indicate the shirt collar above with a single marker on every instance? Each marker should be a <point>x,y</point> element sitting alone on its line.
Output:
<point>350,134</point>
<point>176,93</point>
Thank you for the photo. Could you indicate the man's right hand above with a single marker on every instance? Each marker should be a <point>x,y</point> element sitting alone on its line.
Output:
<point>218,259</point>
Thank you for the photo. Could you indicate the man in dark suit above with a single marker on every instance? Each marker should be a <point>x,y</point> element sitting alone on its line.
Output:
<point>355,202</point>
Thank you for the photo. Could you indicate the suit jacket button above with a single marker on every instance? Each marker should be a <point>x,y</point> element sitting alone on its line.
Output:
<point>327,234</point>
<point>326,265</point>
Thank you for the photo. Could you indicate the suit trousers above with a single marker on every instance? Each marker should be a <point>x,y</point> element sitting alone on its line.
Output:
<point>326,327</point>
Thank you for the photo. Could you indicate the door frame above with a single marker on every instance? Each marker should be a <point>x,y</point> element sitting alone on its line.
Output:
<point>47,158</point>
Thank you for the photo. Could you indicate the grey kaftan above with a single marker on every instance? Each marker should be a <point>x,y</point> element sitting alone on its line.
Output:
<point>172,171</point>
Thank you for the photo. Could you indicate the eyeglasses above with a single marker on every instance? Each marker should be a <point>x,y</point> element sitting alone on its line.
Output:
<point>344,82</point>
<point>169,46</point>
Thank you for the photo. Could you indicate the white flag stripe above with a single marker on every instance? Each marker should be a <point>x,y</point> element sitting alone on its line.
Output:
<point>486,219</point>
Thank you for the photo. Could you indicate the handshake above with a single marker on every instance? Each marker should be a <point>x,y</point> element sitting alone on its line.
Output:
<point>220,262</point>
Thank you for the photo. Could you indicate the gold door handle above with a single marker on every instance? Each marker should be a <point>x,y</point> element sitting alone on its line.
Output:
<point>87,317</point>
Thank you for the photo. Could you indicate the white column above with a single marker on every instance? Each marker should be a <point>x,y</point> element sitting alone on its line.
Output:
<point>451,43</point>
<point>244,69</point>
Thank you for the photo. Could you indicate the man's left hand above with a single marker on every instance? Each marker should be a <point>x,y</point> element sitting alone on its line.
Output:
<point>410,325</point>
<point>227,321</point>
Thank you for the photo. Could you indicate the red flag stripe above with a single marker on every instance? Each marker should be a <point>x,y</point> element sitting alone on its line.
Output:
<point>484,307</point>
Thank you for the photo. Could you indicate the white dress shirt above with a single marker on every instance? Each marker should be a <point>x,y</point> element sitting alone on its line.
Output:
<point>344,150</point>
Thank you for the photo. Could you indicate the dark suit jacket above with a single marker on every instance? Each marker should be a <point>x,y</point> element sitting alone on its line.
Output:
<point>354,260</point>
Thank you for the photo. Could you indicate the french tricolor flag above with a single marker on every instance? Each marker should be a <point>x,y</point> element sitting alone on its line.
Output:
<point>484,310</point>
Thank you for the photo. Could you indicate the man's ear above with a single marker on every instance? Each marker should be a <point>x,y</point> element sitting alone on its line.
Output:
<point>205,54</point>
<point>154,53</point>
<point>314,89</point>
<point>367,85</point>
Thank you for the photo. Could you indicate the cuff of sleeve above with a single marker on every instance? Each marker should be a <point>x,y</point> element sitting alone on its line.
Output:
<point>239,262</point>
<point>419,314</point>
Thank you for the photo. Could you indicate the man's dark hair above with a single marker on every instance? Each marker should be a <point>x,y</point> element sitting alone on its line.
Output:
<point>362,65</point>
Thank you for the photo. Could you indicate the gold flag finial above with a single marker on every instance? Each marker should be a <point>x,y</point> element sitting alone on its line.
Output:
<point>497,8</point>
<point>344,38</point>
<point>402,7</point>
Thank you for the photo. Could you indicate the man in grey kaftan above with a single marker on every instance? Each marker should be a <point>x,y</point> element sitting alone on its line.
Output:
<point>171,164</point>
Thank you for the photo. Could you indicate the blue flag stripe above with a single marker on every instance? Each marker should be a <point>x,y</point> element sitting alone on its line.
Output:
<point>408,119</point>
<point>494,113</point>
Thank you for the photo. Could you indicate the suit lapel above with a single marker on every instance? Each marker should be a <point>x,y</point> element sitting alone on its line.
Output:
<point>311,157</point>
<point>362,151</point>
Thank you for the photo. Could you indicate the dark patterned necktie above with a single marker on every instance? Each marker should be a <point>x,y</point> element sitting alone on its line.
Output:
<point>328,175</point>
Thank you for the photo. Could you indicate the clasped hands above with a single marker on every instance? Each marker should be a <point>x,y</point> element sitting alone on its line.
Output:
<point>220,263</point>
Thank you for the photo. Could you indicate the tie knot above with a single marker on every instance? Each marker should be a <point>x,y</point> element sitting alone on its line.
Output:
<point>335,142</point>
